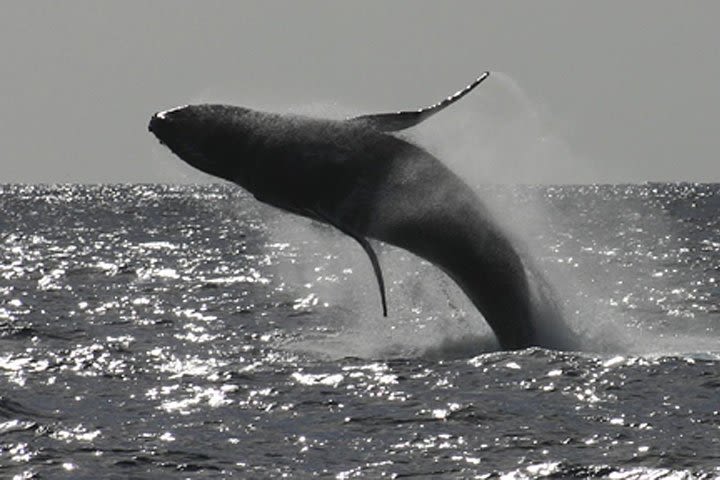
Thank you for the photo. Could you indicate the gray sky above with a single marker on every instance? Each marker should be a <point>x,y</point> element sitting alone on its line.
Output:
<point>626,91</point>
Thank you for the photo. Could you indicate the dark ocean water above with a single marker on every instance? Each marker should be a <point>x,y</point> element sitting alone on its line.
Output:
<point>151,331</point>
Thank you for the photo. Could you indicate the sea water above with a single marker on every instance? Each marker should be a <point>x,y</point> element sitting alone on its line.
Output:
<point>156,331</point>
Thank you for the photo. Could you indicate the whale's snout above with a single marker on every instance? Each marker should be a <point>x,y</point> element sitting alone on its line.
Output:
<point>200,135</point>
<point>155,122</point>
<point>161,122</point>
<point>174,128</point>
<point>212,138</point>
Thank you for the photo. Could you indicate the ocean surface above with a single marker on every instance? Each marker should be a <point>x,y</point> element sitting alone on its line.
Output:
<point>157,331</point>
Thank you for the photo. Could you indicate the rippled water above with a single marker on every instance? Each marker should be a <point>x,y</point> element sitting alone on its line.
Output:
<point>150,330</point>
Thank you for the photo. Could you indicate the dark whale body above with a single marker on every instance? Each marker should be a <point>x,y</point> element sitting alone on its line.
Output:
<point>355,175</point>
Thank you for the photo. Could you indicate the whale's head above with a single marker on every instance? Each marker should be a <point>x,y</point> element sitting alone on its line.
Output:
<point>212,138</point>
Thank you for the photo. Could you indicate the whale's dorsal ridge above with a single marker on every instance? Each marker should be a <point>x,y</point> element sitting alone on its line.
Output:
<point>396,121</point>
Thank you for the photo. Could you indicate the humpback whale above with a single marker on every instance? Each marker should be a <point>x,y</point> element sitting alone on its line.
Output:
<point>358,176</point>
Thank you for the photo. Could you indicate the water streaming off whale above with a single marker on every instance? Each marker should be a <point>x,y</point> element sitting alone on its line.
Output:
<point>153,330</point>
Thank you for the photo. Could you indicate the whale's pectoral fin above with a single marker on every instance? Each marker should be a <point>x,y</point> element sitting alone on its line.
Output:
<point>393,122</point>
<point>365,244</point>
<point>376,268</point>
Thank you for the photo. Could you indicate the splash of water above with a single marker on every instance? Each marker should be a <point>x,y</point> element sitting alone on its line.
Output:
<point>502,139</point>
<point>464,153</point>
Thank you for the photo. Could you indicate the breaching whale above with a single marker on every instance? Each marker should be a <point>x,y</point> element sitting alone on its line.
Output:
<point>359,177</point>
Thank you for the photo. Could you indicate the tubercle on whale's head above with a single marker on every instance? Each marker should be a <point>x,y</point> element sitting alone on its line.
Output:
<point>215,139</point>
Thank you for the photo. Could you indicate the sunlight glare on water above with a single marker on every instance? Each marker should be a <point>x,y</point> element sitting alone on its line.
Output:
<point>153,330</point>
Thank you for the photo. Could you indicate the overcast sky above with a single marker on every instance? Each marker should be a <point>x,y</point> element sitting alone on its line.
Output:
<point>624,91</point>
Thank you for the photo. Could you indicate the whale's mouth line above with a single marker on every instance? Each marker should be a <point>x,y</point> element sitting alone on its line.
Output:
<point>179,148</point>
<point>175,141</point>
<point>161,141</point>
<point>185,151</point>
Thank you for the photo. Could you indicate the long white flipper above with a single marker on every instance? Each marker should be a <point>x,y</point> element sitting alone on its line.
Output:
<point>395,121</point>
